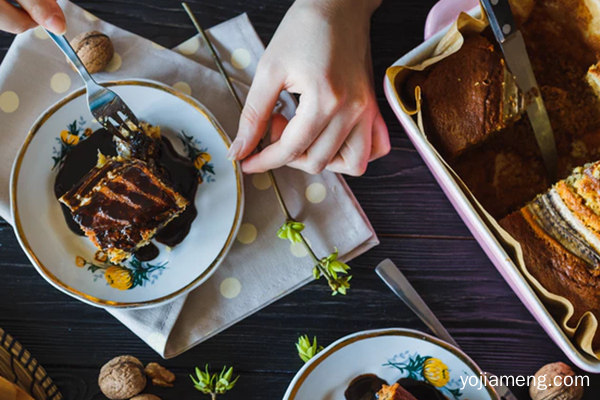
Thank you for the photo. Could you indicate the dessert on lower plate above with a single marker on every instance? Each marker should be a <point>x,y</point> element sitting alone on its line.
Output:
<point>371,387</point>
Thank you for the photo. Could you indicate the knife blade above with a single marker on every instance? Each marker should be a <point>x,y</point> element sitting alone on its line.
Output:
<point>391,275</point>
<point>517,60</point>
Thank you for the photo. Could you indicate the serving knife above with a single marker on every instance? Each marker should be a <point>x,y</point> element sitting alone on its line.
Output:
<point>397,282</point>
<point>512,44</point>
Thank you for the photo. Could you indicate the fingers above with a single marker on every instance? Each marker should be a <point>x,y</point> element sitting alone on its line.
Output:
<point>13,19</point>
<point>46,13</point>
<point>353,157</point>
<point>298,135</point>
<point>260,102</point>
<point>278,124</point>
<point>326,146</point>
<point>380,145</point>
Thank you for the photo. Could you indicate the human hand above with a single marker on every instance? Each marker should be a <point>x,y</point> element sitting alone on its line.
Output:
<point>46,13</point>
<point>320,51</point>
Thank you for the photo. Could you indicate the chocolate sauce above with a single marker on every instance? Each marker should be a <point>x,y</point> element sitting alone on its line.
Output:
<point>147,253</point>
<point>421,390</point>
<point>364,387</point>
<point>177,171</point>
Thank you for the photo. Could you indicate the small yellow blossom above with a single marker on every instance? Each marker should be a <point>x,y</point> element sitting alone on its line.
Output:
<point>80,261</point>
<point>88,132</point>
<point>69,138</point>
<point>436,372</point>
<point>118,277</point>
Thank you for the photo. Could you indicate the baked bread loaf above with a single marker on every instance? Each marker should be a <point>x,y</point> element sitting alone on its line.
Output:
<point>559,232</point>
<point>467,97</point>
<point>10,391</point>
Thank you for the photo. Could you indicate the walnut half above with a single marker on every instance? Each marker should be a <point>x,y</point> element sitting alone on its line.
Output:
<point>159,375</point>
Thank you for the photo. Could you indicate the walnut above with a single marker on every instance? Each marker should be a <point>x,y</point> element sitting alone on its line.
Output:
<point>551,374</point>
<point>159,375</point>
<point>95,50</point>
<point>145,397</point>
<point>122,378</point>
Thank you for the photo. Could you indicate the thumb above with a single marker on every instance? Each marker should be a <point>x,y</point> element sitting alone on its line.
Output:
<point>256,114</point>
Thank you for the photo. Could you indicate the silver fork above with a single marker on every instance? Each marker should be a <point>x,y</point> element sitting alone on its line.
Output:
<point>105,105</point>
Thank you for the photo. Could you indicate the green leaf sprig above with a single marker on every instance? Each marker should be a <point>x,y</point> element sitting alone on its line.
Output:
<point>214,384</point>
<point>335,271</point>
<point>306,349</point>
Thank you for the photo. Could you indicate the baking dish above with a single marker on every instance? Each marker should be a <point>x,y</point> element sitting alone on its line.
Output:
<point>476,224</point>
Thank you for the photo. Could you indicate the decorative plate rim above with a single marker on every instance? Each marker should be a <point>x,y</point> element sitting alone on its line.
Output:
<point>308,368</point>
<point>86,298</point>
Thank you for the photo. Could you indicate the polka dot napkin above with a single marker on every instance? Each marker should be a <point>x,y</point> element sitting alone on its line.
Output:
<point>260,268</point>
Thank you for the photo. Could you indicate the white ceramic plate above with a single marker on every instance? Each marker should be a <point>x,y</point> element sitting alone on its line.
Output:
<point>390,354</point>
<point>53,248</point>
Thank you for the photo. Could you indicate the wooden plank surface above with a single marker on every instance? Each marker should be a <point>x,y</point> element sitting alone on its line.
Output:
<point>418,227</point>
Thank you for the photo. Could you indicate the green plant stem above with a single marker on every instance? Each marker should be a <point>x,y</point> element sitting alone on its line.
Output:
<point>240,105</point>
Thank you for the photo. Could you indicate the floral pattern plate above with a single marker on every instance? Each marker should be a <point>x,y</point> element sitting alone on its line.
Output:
<point>71,262</point>
<point>390,354</point>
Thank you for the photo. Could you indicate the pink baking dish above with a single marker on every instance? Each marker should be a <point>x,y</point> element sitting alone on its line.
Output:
<point>476,225</point>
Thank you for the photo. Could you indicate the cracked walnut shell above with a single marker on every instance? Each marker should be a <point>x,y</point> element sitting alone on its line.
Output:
<point>159,375</point>
<point>95,50</point>
<point>122,378</point>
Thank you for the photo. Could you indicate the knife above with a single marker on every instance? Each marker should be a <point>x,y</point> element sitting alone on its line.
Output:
<point>512,44</point>
<point>395,280</point>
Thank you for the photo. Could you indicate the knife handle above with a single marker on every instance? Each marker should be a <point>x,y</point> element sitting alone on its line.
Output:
<point>501,18</point>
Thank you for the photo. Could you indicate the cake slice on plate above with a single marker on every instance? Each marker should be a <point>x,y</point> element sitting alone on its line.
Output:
<point>121,204</point>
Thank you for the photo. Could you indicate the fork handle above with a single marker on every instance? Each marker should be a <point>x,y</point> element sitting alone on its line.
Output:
<point>66,48</point>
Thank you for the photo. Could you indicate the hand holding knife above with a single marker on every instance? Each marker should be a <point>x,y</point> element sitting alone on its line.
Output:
<point>512,44</point>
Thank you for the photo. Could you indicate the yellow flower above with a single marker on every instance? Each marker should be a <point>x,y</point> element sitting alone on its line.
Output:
<point>436,372</point>
<point>80,261</point>
<point>201,160</point>
<point>88,132</point>
<point>118,277</point>
<point>69,138</point>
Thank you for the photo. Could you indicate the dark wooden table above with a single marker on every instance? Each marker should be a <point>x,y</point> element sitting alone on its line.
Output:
<point>417,226</point>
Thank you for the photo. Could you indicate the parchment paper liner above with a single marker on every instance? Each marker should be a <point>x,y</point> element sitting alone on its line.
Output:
<point>582,332</point>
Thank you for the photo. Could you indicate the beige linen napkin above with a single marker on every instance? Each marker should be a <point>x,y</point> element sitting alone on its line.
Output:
<point>260,268</point>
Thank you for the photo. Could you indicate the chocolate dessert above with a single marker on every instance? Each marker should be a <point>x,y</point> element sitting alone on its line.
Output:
<point>121,204</point>
<point>140,189</point>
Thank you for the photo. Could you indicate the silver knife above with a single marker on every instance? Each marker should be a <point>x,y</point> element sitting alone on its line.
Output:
<point>395,279</point>
<point>512,44</point>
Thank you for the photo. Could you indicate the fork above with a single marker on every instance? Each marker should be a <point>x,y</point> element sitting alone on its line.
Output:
<point>104,104</point>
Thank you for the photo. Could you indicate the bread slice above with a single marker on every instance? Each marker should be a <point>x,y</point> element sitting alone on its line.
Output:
<point>559,233</point>
<point>468,96</point>
<point>10,391</point>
